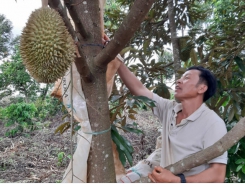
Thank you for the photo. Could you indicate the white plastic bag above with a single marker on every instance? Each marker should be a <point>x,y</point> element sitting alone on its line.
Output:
<point>78,173</point>
<point>142,169</point>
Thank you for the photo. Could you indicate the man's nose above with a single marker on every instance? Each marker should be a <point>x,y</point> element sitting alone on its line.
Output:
<point>179,81</point>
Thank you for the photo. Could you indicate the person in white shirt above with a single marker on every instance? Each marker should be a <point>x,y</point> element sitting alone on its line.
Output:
<point>189,125</point>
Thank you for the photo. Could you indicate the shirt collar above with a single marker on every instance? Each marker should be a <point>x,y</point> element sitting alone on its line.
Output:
<point>194,115</point>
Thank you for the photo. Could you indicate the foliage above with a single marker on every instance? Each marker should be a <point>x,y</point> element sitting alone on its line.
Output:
<point>14,78</point>
<point>62,157</point>
<point>47,108</point>
<point>5,36</point>
<point>122,107</point>
<point>216,29</point>
<point>19,116</point>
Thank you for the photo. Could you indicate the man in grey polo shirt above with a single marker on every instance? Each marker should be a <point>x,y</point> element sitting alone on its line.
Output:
<point>188,127</point>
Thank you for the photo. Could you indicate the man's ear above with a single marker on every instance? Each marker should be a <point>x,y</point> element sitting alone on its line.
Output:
<point>202,88</point>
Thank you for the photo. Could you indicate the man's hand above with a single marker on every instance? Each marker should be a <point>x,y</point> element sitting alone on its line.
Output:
<point>105,39</point>
<point>161,175</point>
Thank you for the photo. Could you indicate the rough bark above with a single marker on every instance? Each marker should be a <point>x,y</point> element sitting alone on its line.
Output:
<point>75,17</point>
<point>217,149</point>
<point>174,38</point>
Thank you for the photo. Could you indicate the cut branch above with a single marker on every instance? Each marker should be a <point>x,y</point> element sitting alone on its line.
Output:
<point>217,149</point>
<point>81,63</point>
<point>204,156</point>
<point>125,32</point>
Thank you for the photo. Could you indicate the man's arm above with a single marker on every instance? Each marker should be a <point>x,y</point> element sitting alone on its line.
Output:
<point>214,174</point>
<point>133,83</point>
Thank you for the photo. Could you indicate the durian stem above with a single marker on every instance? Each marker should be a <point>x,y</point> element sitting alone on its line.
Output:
<point>44,3</point>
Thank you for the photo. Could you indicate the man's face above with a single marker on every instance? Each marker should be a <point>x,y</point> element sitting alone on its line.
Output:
<point>187,86</point>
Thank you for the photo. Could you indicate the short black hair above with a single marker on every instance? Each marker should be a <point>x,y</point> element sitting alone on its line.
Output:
<point>208,78</point>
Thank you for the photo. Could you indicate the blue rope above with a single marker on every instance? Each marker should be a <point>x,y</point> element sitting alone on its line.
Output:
<point>134,170</point>
<point>98,133</point>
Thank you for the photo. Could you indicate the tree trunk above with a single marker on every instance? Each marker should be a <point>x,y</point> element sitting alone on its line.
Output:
<point>92,67</point>
<point>174,38</point>
<point>100,161</point>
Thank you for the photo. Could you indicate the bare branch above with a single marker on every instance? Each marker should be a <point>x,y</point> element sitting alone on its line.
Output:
<point>125,32</point>
<point>217,149</point>
<point>81,63</point>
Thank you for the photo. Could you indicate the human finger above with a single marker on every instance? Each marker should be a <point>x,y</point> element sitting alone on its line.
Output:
<point>151,178</point>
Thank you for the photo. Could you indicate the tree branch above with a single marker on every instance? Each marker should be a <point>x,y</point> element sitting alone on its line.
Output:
<point>217,149</point>
<point>125,32</point>
<point>76,18</point>
<point>81,63</point>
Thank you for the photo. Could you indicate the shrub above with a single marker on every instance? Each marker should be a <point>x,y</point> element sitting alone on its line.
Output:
<point>47,107</point>
<point>19,116</point>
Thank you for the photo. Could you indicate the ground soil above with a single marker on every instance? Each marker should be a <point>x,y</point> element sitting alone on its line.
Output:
<point>33,157</point>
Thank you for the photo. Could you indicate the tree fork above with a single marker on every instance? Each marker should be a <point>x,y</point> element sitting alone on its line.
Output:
<point>125,32</point>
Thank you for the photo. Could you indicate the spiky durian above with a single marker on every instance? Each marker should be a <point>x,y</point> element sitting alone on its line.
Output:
<point>46,47</point>
<point>185,45</point>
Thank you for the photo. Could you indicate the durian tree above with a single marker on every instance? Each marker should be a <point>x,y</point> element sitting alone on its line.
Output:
<point>94,59</point>
<point>37,43</point>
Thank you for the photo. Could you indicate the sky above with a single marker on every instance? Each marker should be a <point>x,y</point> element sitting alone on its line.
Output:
<point>18,12</point>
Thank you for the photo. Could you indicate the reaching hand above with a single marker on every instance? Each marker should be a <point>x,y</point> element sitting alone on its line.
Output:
<point>105,39</point>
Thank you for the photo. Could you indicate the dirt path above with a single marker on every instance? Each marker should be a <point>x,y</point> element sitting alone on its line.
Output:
<point>34,157</point>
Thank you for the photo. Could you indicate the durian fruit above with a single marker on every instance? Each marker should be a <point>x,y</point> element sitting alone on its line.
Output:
<point>185,47</point>
<point>46,47</point>
<point>162,91</point>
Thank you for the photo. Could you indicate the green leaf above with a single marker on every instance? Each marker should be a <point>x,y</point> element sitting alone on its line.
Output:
<point>133,130</point>
<point>78,127</point>
<point>238,168</point>
<point>146,100</point>
<point>240,63</point>
<point>240,161</point>
<point>243,169</point>
<point>122,144</point>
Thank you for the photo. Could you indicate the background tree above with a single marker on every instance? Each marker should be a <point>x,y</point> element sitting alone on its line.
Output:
<point>14,78</point>
<point>6,40</point>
